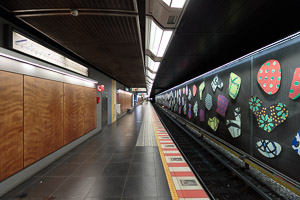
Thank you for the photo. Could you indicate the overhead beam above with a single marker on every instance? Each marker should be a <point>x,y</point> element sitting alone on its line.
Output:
<point>81,11</point>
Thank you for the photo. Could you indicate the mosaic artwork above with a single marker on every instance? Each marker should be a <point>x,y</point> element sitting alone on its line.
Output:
<point>190,111</point>
<point>183,91</point>
<point>190,95</point>
<point>222,105</point>
<point>186,90</point>
<point>268,148</point>
<point>208,101</point>
<point>179,90</point>
<point>175,108</point>
<point>216,83</point>
<point>269,76</point>
<point>234,126</point>
<point>202,115</point>
<point>295,86</point>
<point>234,85</point>
<point>213,123</point>
<point>194,90</point>
<point>268,118</point>
<point>179,109</point>
<point>201,88</point>
<point>173,101</point>
<point>184,109</point>
<point>296,143</point>
<point>182,98</point>
<point>195,109</point>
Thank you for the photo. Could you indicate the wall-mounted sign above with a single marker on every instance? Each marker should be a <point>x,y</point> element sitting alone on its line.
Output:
<point>138,89</point>
<point>100,88</point>
<point>28,46</point>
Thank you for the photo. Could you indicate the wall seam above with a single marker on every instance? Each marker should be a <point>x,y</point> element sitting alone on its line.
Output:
<point>23,120</point>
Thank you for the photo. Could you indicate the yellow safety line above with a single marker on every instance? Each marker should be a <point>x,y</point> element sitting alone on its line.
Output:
<point>274,177</point>
<point>166,168</point>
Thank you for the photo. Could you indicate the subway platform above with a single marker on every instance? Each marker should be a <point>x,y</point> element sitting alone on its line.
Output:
<point>134,158</point>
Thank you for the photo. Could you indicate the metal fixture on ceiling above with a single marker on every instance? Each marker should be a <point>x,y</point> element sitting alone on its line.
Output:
<point>74,12</point>
<point>160,25</point>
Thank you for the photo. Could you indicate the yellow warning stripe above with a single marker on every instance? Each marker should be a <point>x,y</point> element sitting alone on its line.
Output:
<point>166,168</point>
<point>257,167</point>
<point>274,177</point>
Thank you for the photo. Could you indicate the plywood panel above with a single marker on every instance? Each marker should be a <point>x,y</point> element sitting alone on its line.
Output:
<point>11,123</point>
<point>43,118</point>
<point>90,106</point>
<point>73,112</point>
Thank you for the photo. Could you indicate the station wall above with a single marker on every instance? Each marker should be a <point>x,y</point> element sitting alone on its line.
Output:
<point>254,110</point>
<point>38,117</point>
<point>57,115</point>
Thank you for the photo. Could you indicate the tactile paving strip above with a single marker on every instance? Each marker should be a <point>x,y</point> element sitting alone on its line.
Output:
<point>182,181</point>
<point>146,134</point>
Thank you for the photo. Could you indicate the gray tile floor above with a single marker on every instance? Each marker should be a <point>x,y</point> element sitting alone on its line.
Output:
<point>107,166</point>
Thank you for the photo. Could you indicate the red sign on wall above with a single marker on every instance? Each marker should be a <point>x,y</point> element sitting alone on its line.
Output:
<point>100,88</point>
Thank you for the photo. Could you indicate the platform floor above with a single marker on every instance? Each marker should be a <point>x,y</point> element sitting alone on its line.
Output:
<point>121,162</point>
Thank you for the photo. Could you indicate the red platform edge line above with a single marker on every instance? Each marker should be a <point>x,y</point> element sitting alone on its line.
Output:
<point>192,193</point>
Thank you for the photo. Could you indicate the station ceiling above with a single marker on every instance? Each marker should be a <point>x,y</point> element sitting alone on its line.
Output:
<point>214,32</point>
<point>109,34</point>
<point>105,33</point>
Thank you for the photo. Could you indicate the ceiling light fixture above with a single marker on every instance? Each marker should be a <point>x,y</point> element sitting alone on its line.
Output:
<point>164,43</point>
<point>157,39</point>
<point>152,65</point>
<point>149,80</point>
<point>151,75</point>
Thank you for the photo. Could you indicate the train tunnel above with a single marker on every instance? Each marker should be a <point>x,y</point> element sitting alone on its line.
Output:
<point>149,99</point>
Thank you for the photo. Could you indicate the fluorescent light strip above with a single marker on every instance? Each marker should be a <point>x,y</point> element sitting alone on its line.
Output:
<point>164,43</point>
<point>155,37</point>
<point>47,68</point>
<point>30,47</point>
<point>158,39</point>
<point>151,75</point>
<point>274,44</point>
<point>152,64</point>
<point>149,80</point>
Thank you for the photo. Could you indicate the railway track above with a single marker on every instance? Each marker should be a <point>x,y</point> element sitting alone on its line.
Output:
<point>221,178</point>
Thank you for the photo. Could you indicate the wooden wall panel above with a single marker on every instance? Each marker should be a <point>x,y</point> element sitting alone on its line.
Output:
<point>43,118</point>
<point>90,109</point>
<point>125,100</point>
<point>11,123</point>
<point>73,112</point>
